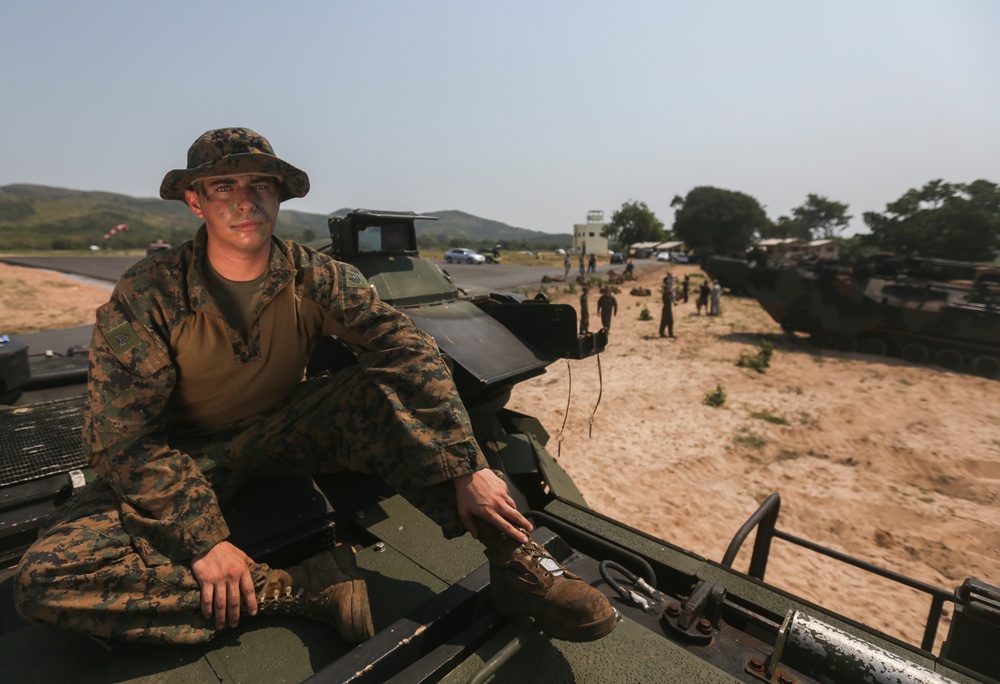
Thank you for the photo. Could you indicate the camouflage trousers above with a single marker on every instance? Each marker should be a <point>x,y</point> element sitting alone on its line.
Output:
<point>667,319</point>
<point>86,573</point>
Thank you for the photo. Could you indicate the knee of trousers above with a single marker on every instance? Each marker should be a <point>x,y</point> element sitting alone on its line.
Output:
<point>31,588</point>
<point>67,567</point>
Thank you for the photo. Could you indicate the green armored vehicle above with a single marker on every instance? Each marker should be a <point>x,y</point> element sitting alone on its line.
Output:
<point>685,618</point>
<point>923,310</point>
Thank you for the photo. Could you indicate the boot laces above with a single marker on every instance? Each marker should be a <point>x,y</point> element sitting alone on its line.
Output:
<point>540,557</point>
<point>294,603</point>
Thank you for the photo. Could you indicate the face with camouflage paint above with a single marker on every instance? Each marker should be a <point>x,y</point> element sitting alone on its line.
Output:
<point>239,211</point>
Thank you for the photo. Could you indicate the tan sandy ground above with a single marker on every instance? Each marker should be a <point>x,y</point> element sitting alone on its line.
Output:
<point>893,463</point>
<point>34,299</point>
<point>896,464</point>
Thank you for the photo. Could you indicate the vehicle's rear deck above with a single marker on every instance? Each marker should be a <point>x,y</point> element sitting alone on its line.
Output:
<point>434,623</point>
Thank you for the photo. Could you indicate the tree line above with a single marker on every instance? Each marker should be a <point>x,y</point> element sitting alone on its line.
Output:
<point>942,220</point>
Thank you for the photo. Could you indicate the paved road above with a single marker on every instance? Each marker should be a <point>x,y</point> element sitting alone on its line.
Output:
<point>495,276</point>
<point>507,276</point>
<point>109,268</point>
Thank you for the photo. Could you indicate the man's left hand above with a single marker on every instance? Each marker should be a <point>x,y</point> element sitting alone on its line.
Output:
<point>483,496</point>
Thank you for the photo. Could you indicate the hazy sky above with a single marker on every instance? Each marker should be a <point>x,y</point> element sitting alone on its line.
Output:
<point>530,113</point>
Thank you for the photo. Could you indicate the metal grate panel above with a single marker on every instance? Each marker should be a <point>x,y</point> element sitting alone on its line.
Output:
<point>40,440</point>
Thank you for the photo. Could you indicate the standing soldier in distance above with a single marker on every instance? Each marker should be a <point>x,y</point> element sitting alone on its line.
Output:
<point>704,290</point>
<point>607,305</point>
<point>667,315</point>
<point>716,298</point>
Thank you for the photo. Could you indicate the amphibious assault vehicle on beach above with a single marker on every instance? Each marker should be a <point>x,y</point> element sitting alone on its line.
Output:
<point>685,618</point>
<point>922,310</point>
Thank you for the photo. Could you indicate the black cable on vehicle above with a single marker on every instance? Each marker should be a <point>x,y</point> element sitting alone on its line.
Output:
<point>641,594</point>
<point>570,530</point>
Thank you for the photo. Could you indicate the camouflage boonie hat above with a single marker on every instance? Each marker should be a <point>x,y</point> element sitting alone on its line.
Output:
<point>225,151</point>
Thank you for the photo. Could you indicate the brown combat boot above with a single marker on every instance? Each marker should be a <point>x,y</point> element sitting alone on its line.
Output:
<point>526,580</point>
<point>328,587</point>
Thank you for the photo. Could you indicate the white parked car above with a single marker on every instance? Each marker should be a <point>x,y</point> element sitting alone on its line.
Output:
<point>679,257</point>
<point>461,255</point>
<point>663,256</point>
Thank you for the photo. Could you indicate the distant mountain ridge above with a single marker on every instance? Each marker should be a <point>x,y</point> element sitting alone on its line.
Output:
<point>43,217</point>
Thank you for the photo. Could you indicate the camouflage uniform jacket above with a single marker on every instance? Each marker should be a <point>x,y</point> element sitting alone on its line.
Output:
<point>163,360</point>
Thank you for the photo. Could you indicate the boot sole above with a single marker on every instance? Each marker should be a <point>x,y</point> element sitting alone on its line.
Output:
<point>361,628</point>
<point>582,633</point>
<point>592,631</point>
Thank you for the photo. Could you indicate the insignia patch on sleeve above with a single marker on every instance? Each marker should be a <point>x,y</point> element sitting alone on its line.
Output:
<point>122,338</point>
<point>354,279</point>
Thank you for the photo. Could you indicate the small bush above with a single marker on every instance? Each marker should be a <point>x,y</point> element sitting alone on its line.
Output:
<point>759,361</point>
<point>769,417</point>
<point>644,315</point>
<point>747,438</point>
<point>716,398</point>
<point>766,351</point>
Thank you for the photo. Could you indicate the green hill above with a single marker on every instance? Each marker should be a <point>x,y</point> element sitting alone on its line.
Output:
<point>38,217</point>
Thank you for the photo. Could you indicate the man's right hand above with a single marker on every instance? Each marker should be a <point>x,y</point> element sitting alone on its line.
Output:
<point>224,577</point>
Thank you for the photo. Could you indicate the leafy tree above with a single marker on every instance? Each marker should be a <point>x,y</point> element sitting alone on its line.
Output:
<point>942,220</point>
<point>715,221</point>
<point>633,223</point>
<point>783,228</point>
<point>820,218</point>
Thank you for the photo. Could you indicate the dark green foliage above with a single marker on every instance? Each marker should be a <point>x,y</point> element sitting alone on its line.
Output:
<point>817,218</point>
<point>759,361</point>
<point>15,210</point>
<point>40,217</point>
<point>634,222</point>
<point>714,221</point>
<point>746,438</point>
<point>769,417</point>
<point>715,398</point>
<point>958,221</point>
<point>644,315</point>
<point>785,228</point>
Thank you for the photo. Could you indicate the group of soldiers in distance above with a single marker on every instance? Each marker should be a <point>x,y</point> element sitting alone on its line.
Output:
<point>586,265</point>
<point>709,297</point>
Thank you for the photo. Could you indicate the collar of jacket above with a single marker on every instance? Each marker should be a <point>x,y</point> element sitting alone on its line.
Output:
<point>281,272</point>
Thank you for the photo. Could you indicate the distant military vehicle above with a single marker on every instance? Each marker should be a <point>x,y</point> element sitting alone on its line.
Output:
<point>923,310</point>
<point>684,618</point>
